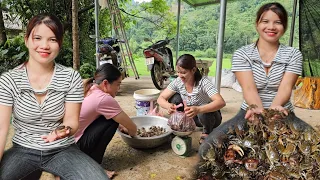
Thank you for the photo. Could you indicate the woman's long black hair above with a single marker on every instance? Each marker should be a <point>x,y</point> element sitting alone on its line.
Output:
<point>105,71</point>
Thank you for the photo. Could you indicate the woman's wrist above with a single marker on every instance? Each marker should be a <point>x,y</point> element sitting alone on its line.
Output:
<point>199,109</point>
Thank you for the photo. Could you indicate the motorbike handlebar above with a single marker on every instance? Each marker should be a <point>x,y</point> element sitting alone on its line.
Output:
<point>122,41</point>
<point>160,43</point>
<point>110,41</point>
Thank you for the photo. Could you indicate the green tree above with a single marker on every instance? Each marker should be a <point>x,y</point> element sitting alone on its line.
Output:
<point>3,34</point>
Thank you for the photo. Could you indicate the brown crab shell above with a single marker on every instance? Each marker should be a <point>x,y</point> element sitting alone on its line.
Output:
<point>251,164</point>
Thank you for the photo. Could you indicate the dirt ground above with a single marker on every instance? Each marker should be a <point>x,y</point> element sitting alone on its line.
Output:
<point>161,163</point>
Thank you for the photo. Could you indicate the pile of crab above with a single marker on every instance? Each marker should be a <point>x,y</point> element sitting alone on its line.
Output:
<point>267,148</point>
<point>153,131</point>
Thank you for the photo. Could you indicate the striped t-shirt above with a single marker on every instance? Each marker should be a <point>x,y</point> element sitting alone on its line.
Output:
<point>287,59</point>
<point>31,119</point>
<point>200,94</point>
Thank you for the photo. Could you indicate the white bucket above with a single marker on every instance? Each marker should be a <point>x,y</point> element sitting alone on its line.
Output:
<point>145,100</point>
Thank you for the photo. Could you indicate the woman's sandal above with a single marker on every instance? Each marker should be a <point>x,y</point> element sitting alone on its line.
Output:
<point>203,137</point>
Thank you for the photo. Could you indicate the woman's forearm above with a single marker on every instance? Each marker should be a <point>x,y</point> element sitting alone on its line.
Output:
<point>5,116</point>
<point>124,120</point>
<point>71,117</point>
<point>3,137</point>
<point>249,88</point>
<point>285,89</point>
<point>282,97</point>
<point>252,97</point>
<point>163,103</point>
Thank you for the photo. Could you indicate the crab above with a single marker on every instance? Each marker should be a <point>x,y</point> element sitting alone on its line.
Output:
<point>152,131</point>
<point>209,157</point>
<point>311,135</point>
<point>247,142</point>
<point>307,168</point>
<point>230,154</point>
<point>273,114</point>
<point>275,175</point>
<point>307,175</point>
<point>239,131</point>
<point>305,147</point>
<point>272,154</point>
<point>251,164</point>
<point>286,151</point>
<point>295,133</point>
<point>272,137</point>
<point>292,163</point>
<point>294,174</point>
<point>61,131</point>
<point>242,172</point>
<point>274,148</point>
<point>316,157</point>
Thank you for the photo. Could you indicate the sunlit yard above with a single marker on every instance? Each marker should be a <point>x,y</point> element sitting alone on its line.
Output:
<point>142,68</point>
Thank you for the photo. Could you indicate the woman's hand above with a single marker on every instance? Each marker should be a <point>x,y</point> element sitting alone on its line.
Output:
<point>281,109</point>
<point>59,133</point>
<point>251,112</point>
<point>123,129</point>
<point>172,108</point>
<point>191,111</point>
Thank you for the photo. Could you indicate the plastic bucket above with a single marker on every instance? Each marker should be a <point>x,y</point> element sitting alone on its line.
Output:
<point>172,78</point>
<point>145,100</point>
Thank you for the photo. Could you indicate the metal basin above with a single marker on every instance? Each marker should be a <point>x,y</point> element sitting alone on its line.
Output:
<point>148,142</point>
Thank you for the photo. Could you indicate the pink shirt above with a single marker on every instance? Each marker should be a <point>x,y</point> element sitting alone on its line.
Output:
<point>95,104</point>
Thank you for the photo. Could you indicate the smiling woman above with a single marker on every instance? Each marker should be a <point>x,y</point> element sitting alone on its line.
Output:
<point>266,71</point>
<point>44,99</point>
<point>201,100</point>
<point>43,49</point>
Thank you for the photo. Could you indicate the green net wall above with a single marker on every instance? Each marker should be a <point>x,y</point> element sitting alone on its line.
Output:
<point>309,35</point>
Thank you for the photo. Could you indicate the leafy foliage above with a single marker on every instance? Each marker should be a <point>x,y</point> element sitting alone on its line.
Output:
<point>26,9</point>
<point>87,70</point>
<point>199,26</point>
<point>155,20</point>
<point>12,53</point>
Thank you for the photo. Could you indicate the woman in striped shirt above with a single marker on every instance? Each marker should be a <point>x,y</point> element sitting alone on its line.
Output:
<point>201,100</point>
<point>266,71</point>
<point>44,100</point>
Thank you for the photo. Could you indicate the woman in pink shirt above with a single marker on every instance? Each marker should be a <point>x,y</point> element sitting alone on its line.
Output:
<point>101,114</point>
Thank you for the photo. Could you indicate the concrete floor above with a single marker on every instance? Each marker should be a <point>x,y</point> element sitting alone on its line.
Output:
<point>162,163</point>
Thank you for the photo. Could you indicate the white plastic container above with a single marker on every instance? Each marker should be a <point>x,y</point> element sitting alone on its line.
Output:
<point>145,100</point>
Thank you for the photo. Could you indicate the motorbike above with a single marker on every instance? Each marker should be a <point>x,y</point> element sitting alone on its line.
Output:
<point>109,51</point>
<point>159,61</point>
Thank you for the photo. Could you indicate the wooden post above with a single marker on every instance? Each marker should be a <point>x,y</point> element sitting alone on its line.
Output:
<point>75,35</point>
<point>307,94</point>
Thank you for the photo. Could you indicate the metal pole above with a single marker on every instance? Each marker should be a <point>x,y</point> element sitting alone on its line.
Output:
<point>223,5</point>
<point>293,22</point>
<point>178,28</point>
<point>96,25</point>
